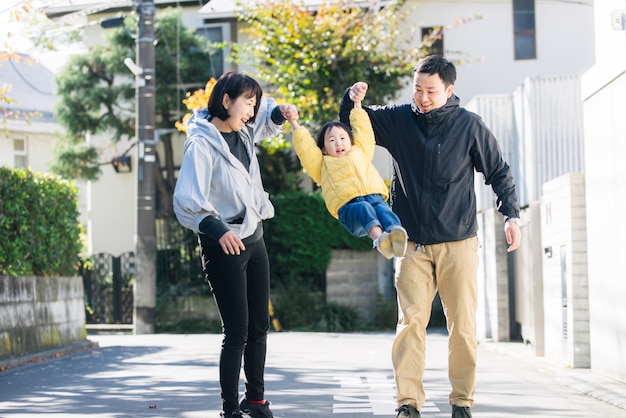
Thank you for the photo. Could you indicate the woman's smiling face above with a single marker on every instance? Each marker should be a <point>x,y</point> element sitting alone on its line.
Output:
<point>239,110</point>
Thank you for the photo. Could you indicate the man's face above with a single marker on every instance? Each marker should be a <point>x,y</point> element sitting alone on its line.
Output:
<point>430,92</point>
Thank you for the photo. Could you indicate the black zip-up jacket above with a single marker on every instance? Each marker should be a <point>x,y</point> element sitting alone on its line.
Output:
<point>435,155</point>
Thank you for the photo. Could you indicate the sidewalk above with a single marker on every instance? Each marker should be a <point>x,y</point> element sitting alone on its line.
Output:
<point>584,381</point>
<point>308,375</point>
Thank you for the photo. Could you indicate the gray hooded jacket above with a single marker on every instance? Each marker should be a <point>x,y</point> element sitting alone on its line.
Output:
<point>213,182</point>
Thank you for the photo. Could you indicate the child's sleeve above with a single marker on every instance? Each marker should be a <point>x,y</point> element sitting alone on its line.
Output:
<point>308,152</point>
<point>363,132</point>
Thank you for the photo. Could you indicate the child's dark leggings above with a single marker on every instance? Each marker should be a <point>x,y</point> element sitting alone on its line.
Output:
<point>241,288</point>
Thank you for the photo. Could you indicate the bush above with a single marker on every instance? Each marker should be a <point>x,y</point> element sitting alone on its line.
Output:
<point>301,236</point>
<point>300,239</point>
<point>333,317</point>
<point>38,225</point>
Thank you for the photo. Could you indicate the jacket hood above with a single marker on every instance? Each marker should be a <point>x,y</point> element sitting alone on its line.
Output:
<point>198,125</point>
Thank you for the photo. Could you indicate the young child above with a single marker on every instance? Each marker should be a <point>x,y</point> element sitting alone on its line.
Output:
<point>355,193</point>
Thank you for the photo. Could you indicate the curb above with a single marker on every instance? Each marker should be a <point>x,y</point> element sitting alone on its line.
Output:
<point>28,359</point>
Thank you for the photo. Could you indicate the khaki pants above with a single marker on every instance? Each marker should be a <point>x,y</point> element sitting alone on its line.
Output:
<point>451,268</point>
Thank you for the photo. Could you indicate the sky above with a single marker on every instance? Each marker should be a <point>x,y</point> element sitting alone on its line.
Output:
<point>14,35</point>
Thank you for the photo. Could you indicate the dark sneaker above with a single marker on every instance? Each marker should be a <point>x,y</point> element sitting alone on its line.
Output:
<point>407,411</point>
<point>256,410</point>
<point>461,412</point>
<point>384,246</point>
<point>234,414</point>
<point>399,240</point>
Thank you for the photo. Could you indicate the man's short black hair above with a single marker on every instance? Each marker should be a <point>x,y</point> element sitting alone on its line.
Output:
<point>234,84</point>
<point>437,64</point>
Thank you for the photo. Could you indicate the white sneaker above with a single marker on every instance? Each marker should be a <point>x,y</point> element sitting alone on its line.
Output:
<point>399,240</point>
<point>384,245</point>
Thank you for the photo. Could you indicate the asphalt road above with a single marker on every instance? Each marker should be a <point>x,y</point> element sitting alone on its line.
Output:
<point>307,375</point>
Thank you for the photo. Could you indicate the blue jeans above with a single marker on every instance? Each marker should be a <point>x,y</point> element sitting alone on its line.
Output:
<point>365,212</point>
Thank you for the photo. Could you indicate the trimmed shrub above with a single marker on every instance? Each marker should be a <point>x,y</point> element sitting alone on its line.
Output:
<point>301,236</point>
<point>300,239</point>
<point>38,225</point>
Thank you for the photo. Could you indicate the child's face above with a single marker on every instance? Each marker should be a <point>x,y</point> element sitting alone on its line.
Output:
<point>430,92</point>
<point>337,142</point>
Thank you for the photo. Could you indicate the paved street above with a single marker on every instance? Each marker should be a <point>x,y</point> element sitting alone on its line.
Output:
<point>308,375</point>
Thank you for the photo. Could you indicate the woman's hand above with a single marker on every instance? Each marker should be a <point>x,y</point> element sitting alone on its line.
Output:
<point>290,112</point>
<point>231,244</point>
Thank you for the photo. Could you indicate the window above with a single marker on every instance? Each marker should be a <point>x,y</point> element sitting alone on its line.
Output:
<point>434,36</point>
<point>216,61</point>
<point>524,29</point>
<point>20,159</point>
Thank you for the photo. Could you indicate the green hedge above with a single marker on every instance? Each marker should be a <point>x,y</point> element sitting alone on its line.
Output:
<point>38,225</point>
<point>300,239</point>
<point>301,236</point>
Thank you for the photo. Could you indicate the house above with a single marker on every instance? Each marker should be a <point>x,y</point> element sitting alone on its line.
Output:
<point>111,210</point>
<point>485,45</point>
<point>604,107</point>
<point>509,51</point>
<point>26,142</point>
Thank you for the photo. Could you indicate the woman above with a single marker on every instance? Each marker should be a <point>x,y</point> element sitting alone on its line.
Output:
<point>219,195</point>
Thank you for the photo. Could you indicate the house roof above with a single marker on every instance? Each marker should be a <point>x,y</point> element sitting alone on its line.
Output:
<point>33,87</point>
<point>70,9</point>
<point>219,9</point>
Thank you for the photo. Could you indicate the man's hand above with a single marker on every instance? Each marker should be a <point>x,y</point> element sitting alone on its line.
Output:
<point>513,235</point>
<point>357,92</point>
<point>231,244</point>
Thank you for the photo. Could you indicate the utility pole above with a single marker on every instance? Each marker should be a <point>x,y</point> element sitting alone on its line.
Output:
<point>145,240</point>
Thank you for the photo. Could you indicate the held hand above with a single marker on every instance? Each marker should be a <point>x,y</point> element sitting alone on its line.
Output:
<point>231,244</point>
<point>357,92</point>
<point>513,235</point>
<point>289,112</point>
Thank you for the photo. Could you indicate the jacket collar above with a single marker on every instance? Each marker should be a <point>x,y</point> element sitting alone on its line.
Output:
<point>437,114</point>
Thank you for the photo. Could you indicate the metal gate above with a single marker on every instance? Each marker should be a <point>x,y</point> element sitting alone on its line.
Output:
<point>108,283</point>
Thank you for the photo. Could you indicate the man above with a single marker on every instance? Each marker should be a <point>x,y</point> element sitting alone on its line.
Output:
<point>436,146</point>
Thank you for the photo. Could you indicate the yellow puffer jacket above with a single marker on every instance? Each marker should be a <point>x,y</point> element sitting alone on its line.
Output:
<point>342,178</point>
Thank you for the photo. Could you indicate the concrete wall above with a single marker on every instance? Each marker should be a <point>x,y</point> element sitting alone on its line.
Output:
<point>604,107</point>
<point>492,318</point>
<point>565,281</point>
<point>529,279</point>
<point>356,278</point>
<point>40,313</point>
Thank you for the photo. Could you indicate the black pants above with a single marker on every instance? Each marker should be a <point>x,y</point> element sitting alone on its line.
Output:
<point>241,288</point>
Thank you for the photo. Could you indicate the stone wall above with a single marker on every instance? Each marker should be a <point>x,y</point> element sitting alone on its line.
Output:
<point>357,278</point>
<point>40,313</point>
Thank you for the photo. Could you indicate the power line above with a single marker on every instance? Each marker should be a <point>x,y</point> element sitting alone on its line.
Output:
<point>28,83</point>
